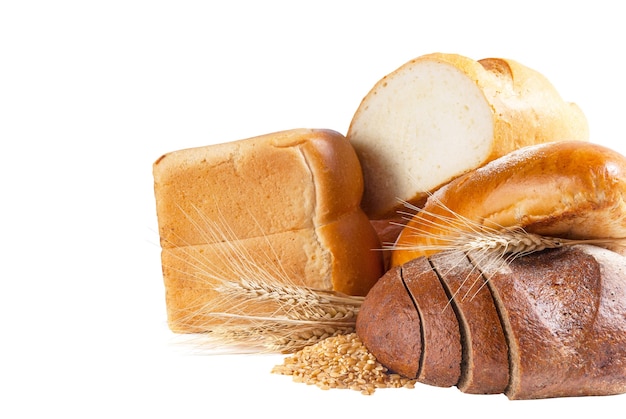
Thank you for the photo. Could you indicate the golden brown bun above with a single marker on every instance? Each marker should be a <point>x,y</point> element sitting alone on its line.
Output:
<point>557,318</point>
<point>565,189</point>
<point>284,204</point>
<point>442,115</point>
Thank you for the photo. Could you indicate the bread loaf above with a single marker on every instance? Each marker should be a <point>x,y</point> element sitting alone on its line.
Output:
<point>567,189</point>
<point>284,204</point>
<point>561,321</point>
<point>442,115</point>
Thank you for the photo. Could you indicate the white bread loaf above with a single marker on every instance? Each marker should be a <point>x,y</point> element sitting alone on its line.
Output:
<point>442,115</point>
<point>567,189</point>
<point>284,204</point>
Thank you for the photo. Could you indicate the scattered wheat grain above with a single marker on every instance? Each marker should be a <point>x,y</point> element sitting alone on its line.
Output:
<point>343,362</point>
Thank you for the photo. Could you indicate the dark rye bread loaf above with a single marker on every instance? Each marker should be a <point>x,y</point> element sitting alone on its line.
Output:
<point>563,314</point>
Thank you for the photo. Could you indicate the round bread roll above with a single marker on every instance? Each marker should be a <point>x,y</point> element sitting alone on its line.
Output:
<point>568,189</point>
<point>442,115</point>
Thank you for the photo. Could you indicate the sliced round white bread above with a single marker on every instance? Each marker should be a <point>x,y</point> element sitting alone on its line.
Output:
<point>441,115</point>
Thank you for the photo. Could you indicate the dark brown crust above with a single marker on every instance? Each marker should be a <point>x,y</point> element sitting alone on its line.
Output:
<point>563,314</point>
<point>389,326</point>
<point>565,318</point>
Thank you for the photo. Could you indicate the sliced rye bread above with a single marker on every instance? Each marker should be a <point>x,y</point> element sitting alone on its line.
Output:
<point>485,366</point>
<point>389,325</point>
<point>441,351</point>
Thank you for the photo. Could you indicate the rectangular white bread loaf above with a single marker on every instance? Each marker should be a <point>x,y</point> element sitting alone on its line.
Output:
<point>284,204</point>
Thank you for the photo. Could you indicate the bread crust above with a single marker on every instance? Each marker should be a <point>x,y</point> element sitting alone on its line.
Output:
<point>442,350</point>
<point>407,324</point>
<point>485,366</point>
<point>564,315</point>
<point>288,180</point>
<point>390,327</point>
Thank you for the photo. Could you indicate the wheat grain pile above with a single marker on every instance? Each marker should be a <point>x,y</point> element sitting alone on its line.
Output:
<point>340,361</point>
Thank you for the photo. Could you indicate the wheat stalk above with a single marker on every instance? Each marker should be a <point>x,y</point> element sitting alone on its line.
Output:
<point>296,302</point>
<point>456,233</point>
<point>490,249</point>
<point>301,315</point>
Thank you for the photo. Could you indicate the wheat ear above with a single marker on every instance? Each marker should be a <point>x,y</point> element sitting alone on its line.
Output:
<point>299,317</point>
<point>460,234</point>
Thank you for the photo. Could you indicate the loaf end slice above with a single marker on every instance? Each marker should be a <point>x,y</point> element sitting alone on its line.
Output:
<point>389,325</point>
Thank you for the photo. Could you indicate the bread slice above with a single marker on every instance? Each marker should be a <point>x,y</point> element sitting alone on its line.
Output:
<point>441,348</point>
<point>485,366</point>
<point>283,205</point>
<point>441,115</point>
<point>563,313</point>
<point>389,325</point>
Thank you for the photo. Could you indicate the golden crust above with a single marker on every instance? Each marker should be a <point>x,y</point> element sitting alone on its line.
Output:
<point>566,189</point>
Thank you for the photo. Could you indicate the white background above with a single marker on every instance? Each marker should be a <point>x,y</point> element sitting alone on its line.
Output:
<point>92,92</point>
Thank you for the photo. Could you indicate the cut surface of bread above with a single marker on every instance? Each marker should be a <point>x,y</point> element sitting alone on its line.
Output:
<point>284,205</point>
<point>442,115</point>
